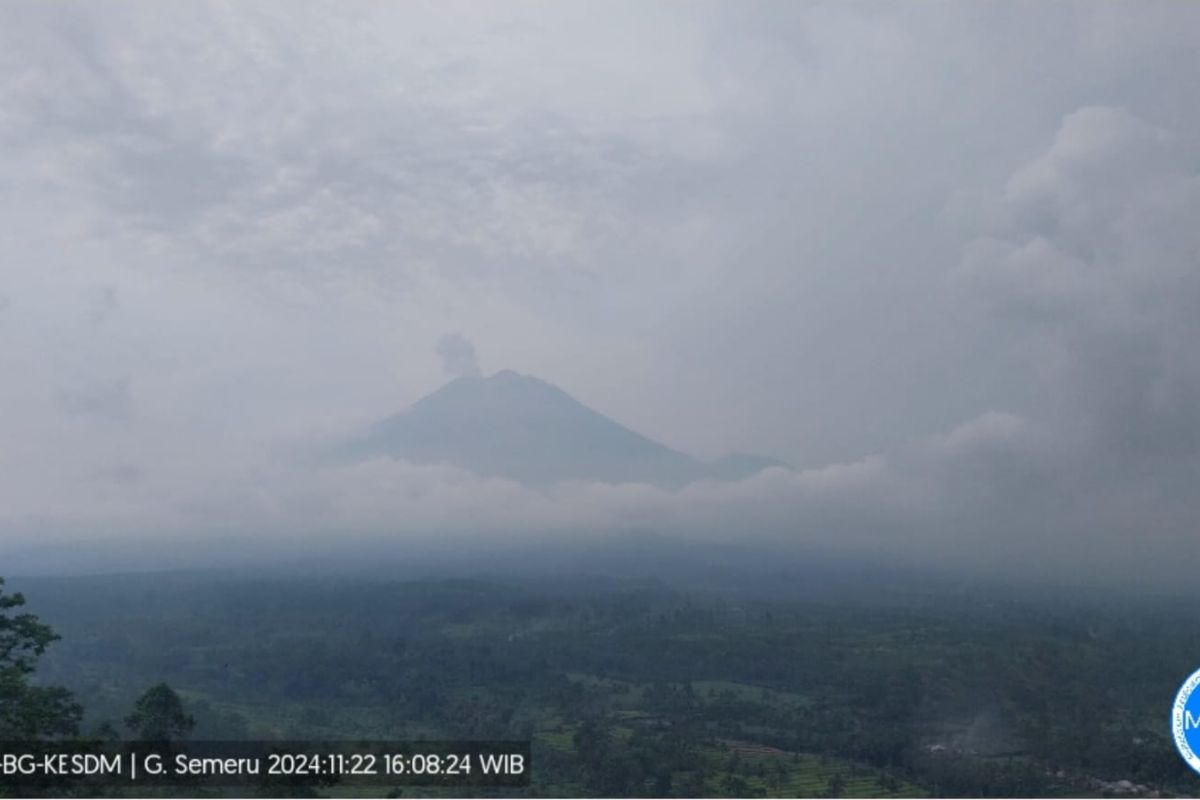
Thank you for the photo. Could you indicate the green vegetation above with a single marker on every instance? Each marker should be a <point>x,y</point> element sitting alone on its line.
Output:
<point>635,688</point>
<point>158,716</point>
<point>29,713</point>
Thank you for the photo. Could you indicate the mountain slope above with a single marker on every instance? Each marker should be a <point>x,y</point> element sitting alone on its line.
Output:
<point>736,466</point>
<point>520,427</point>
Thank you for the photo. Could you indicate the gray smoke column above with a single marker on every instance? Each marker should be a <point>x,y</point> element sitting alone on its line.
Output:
<point>458,356</point>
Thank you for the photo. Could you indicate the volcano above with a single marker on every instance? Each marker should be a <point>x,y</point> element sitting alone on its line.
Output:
<point>525,429</point>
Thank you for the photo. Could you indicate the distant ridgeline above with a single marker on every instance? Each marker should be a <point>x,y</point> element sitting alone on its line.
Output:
<point>519,427</point>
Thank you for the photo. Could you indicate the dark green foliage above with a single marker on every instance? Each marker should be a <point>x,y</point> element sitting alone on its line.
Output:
<point>29,712</point>
<point>634,688</point>
<point>159,716</point>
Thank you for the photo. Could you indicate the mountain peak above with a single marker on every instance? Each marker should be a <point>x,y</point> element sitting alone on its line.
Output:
<point>523,428</point>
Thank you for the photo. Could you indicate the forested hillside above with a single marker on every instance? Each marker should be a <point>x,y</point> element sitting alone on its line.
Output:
<point>637,688</point>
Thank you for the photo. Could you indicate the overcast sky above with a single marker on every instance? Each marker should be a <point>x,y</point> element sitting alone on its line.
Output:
<point>943,258</point>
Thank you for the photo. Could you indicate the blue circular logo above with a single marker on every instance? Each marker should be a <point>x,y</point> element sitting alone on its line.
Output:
<point>1185,721</point>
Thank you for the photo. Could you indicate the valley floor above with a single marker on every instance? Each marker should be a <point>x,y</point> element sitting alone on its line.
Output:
<point>638,688</point>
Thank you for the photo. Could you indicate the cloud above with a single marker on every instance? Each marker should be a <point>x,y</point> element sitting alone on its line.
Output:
<point>965,308</point>
<point>458,356</point>
<point>103,302</point>
<point>108,399</point>
<point>1095,258</point>
<point>989,430</point>
<point>1092,265</point>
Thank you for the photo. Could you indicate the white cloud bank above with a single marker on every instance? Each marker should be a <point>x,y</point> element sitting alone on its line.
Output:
<point>229,232</point>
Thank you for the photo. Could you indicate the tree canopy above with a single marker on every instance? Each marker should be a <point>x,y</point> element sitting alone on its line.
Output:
<point>29,712</point>
<point>159,716</point>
